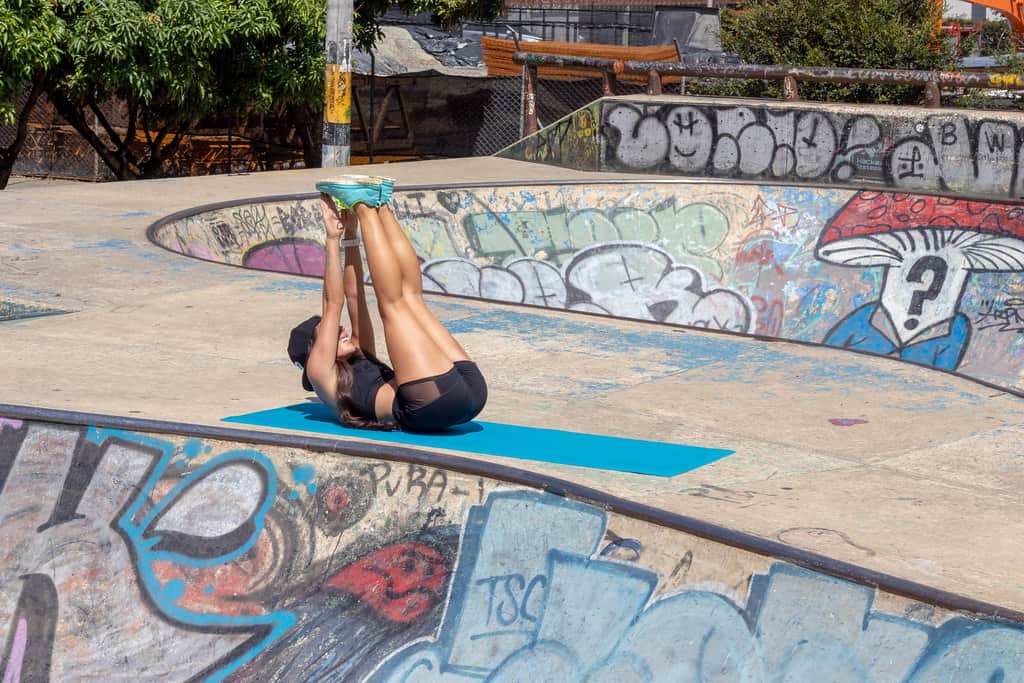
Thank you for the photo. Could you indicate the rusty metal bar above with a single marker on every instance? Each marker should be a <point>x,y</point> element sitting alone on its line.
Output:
<point>653,82</point>
<point>815,74</point>
<point>932,96</point>
<point>790,89</point>
<point>608,81</point>
<point>530,100</point>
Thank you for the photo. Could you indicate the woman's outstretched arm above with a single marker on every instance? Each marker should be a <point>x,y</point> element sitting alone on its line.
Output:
<point>361,327</point>
<point>320,367</point>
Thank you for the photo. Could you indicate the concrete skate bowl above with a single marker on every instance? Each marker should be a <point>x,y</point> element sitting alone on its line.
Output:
<point>927,279</point>
<point>140,550</point>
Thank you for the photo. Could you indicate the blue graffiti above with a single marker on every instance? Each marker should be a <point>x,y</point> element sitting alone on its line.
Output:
<point>552,611</point>
<point>139,522</point>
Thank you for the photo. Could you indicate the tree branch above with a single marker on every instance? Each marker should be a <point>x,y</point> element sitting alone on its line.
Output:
<point>145,128</point>
<point>172,146</point>
<point>8,155</point>
<point>129,136</point>
<point>73,115</point>
<point>108,129</point>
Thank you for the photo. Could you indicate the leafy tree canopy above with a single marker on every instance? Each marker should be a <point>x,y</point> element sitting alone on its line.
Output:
<point>30,40</point>
<point>157,53</point>
<point>31,36</point>
<point>159,58</point>
<point>172,62</point>
<point>884,34</point>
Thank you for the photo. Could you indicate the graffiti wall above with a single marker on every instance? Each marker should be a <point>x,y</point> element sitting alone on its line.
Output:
<point>972,153</point>
<point>923,278</point>
<point>133,556</point>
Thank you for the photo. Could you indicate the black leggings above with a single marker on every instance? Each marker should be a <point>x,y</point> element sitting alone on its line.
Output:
<point>433,404</point>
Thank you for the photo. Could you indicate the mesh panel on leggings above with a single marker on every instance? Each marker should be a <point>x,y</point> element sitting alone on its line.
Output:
<point>419,393</point>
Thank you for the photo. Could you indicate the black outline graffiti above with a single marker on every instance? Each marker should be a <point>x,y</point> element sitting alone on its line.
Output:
<point>901,157</point>
<point>723,144</point>
<point>206,547</point>
<point>37,605</point>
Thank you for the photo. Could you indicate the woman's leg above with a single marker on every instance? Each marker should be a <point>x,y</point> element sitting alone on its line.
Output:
<point>413,352</point>
<point>412,287</point>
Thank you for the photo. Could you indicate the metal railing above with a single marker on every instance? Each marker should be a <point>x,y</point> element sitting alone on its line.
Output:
<point>610,69</point>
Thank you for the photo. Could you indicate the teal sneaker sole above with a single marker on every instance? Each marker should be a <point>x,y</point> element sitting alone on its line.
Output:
<point>349,191</point>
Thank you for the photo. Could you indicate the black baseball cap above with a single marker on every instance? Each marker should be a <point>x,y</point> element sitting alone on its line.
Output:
<point>299,343</point>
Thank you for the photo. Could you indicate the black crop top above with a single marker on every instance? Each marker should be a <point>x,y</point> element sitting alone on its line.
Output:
<point>368,375</point>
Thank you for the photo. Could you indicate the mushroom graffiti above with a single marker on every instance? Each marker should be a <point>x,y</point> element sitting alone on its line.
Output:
<point>928,246</point>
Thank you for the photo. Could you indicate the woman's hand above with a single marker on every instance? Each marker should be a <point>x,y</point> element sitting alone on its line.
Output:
<point>332,217</point>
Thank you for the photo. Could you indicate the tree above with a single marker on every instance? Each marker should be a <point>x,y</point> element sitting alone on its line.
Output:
<point>157,57</point>
<point>996,38</point>
<point>30,39</point>
<point>883,34</point>
<point>284,72</point>
<point>171,62</point>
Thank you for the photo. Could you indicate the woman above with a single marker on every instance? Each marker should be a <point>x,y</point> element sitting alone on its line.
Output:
<point>434,384</point>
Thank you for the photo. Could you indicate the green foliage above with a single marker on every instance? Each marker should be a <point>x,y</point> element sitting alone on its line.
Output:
<point>995,38</point>
<point>1003,100</point>
<point>173,62</point>
<point>279,69</point>
<point>888,34</point>
<point>161,59</point>
<point>30,39</point>
<point>157,54</point>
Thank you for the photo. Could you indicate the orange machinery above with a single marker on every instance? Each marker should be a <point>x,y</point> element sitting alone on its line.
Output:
<point>1013,10</point>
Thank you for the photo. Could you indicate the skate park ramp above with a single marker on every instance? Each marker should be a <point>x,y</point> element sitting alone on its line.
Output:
<point>196,554</point>
<point>851,344</point>
<point>929,279</point>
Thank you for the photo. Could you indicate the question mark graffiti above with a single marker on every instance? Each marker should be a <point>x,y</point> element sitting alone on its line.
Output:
<point>938,268</point>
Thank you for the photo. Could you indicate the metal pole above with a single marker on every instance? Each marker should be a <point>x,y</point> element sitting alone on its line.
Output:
<point>95,154</point>
<point>523,99</point>
<point>790,89</point>
<point>607,83</point>
<point>338,85</point>
<point>679,54</point>
<point>373,118</point>
<point>653,82</point>
<point>231,123</point>
<point>530,101</point>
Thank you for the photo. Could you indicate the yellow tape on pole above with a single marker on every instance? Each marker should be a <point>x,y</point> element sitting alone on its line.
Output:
<point>338,94</point>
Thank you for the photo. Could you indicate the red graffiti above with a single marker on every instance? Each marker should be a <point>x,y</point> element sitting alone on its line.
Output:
<point>222,589</point>
<point>769,315</point>
<point>336,500</point>
<point>400,582</point>
<point>767,218</point>
<point>759,253</point>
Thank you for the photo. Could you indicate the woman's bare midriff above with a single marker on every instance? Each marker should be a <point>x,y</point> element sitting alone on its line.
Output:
<point>383,400</point>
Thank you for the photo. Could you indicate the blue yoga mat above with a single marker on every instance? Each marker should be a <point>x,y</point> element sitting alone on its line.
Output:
<point>509,441</point>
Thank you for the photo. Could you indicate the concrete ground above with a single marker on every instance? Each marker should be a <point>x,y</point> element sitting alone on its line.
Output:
<point>888,466</point>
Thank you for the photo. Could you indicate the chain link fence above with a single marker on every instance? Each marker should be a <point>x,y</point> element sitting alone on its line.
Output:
<point>559,98</point>
<point>54,149</point>
<point>417,117</point>
<point>453,116</point>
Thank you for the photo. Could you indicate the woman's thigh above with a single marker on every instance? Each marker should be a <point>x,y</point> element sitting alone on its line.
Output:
<point>412,350</point>
<point>442,338</point>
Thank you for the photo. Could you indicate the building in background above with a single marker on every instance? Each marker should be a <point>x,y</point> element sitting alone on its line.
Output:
<point>693,24</point>
<point>961,9</point>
